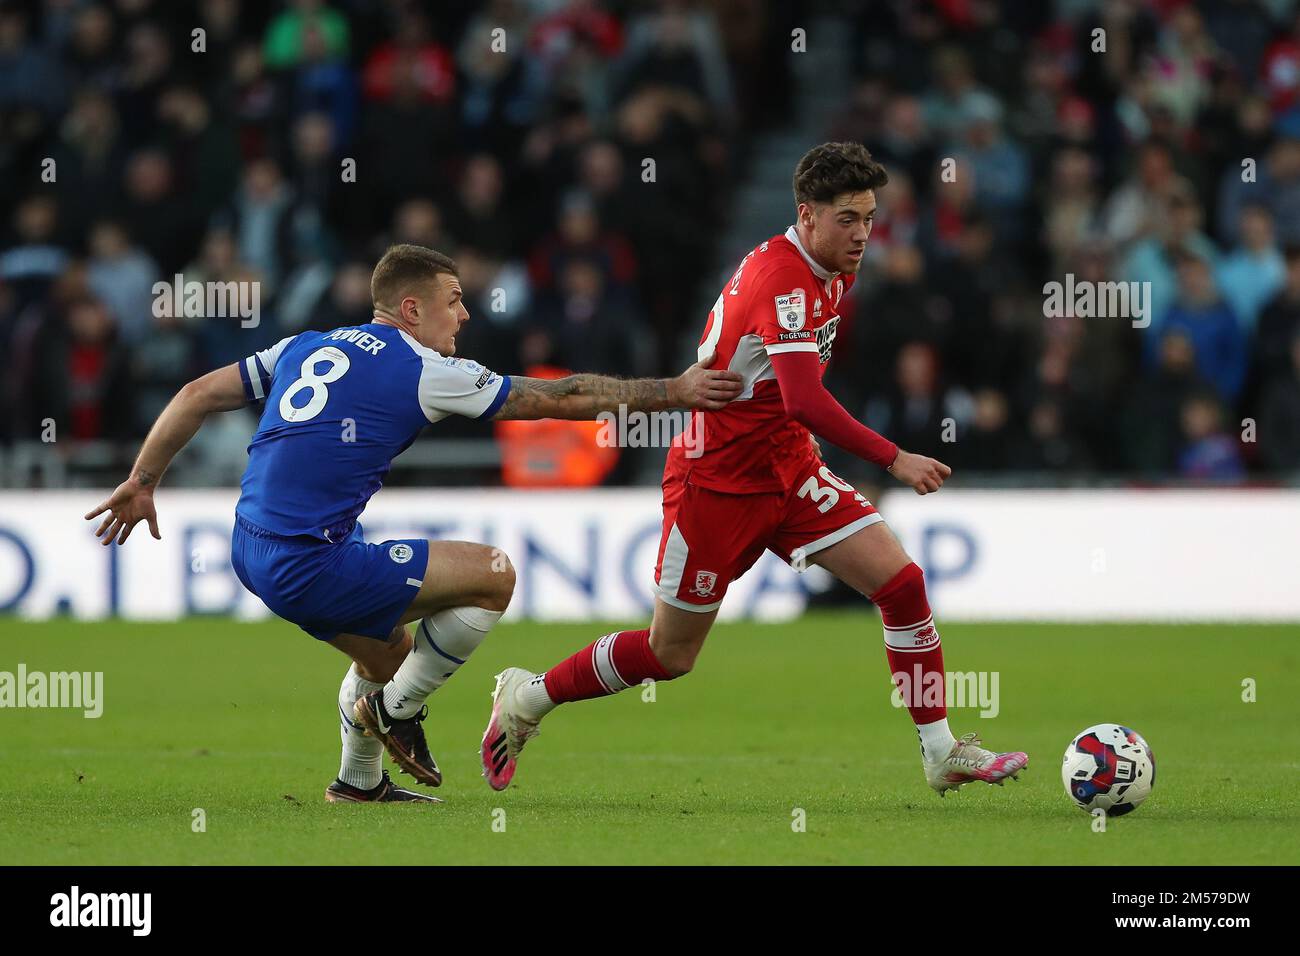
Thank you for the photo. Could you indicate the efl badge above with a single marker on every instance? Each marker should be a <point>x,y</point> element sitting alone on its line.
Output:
<point>468,366</point>
<point>401,553</point>
<point>790,310</point>
<point>704,583</point>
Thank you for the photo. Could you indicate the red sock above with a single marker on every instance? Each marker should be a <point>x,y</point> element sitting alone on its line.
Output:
<point>912,645</point>
<point>614,662</point>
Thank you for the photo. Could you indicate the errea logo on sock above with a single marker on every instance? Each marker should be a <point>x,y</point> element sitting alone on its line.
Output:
<point>76,909</point>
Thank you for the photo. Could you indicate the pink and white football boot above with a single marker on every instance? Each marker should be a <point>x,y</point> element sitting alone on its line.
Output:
<point>968,762</point>
<point>507,730</point>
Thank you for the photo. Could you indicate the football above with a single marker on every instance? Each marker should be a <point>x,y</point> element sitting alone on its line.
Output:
<point>1108,767</point>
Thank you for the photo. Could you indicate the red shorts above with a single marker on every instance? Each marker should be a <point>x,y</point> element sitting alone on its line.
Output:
<point>710,538</point>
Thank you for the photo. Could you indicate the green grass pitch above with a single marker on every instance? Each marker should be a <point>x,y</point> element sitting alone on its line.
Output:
<point>240,720</point>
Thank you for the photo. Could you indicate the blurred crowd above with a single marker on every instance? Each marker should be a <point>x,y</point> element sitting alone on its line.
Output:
<point>289,143</point>
<point>1154,142</point>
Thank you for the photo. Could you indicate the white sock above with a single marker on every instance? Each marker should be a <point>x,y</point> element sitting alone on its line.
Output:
<point>532,700</point>
<point>443,641</point>
<point>936,740</point>
<point>363,756</point>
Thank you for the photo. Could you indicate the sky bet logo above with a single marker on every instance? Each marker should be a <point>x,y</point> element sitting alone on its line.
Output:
<point>103,909</point>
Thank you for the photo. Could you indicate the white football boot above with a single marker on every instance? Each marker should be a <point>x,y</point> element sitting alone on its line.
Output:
<point>507,730</point>
<point>968,762</point>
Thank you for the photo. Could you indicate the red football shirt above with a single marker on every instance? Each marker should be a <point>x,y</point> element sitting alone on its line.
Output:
<point>779,300</point>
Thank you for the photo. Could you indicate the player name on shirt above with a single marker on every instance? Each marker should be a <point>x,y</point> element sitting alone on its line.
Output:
<point>362,340</point>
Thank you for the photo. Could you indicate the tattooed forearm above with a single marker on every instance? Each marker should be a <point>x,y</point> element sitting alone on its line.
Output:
<point>144,477</point>
<point>582,397</point>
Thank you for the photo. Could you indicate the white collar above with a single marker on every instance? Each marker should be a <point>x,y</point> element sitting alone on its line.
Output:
<point>421,350</point>
<point>792,234</point>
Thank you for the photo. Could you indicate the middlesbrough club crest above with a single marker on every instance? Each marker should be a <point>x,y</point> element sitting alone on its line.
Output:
<point>704,583</point>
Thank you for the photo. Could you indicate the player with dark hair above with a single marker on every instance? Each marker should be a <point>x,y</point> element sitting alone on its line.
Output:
<point>339,406</point>
<point>761,484</point>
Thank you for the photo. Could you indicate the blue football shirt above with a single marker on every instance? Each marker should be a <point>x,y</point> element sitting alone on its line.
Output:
<point>340,406</point>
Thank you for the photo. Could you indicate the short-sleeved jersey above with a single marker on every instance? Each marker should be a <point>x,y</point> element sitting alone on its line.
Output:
<point>340,406</point>
<point>779,300</point>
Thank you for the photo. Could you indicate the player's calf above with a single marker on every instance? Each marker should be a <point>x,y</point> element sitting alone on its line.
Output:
<point>612,664</point>
<point>442,643</point>
<point>465,590</point>
<point>375,661</point>
<point>521,699</point>
<point>874,563</point>
<point>361,765</point>
<point>913,647</point>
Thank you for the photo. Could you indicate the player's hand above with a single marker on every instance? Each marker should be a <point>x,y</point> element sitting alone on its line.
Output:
<point>816,446</point>
<point>925,475</point>
<point>130,504</point>
<point>701,387</point>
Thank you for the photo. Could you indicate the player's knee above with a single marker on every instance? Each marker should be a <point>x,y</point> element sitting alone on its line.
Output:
<point>502,582</point>
<point>677,661</point>
<point>508,578</point>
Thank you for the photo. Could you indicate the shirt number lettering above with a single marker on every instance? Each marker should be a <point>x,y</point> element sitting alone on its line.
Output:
<point>338,366</point>
<point>827,496</point>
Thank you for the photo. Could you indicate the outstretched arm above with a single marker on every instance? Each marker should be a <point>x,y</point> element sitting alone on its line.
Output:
<point>806,401</point>
<point>132,501</point>
<point>583,397</point>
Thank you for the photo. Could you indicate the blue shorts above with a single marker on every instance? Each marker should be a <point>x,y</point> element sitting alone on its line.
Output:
<point>328,589</point>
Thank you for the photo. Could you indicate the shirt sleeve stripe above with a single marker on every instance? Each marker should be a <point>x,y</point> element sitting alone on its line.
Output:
<point>502,393</point>
<point>268,372</point>
<point>253,378</point>
<point>778,348</point>
<point>243,376</point>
